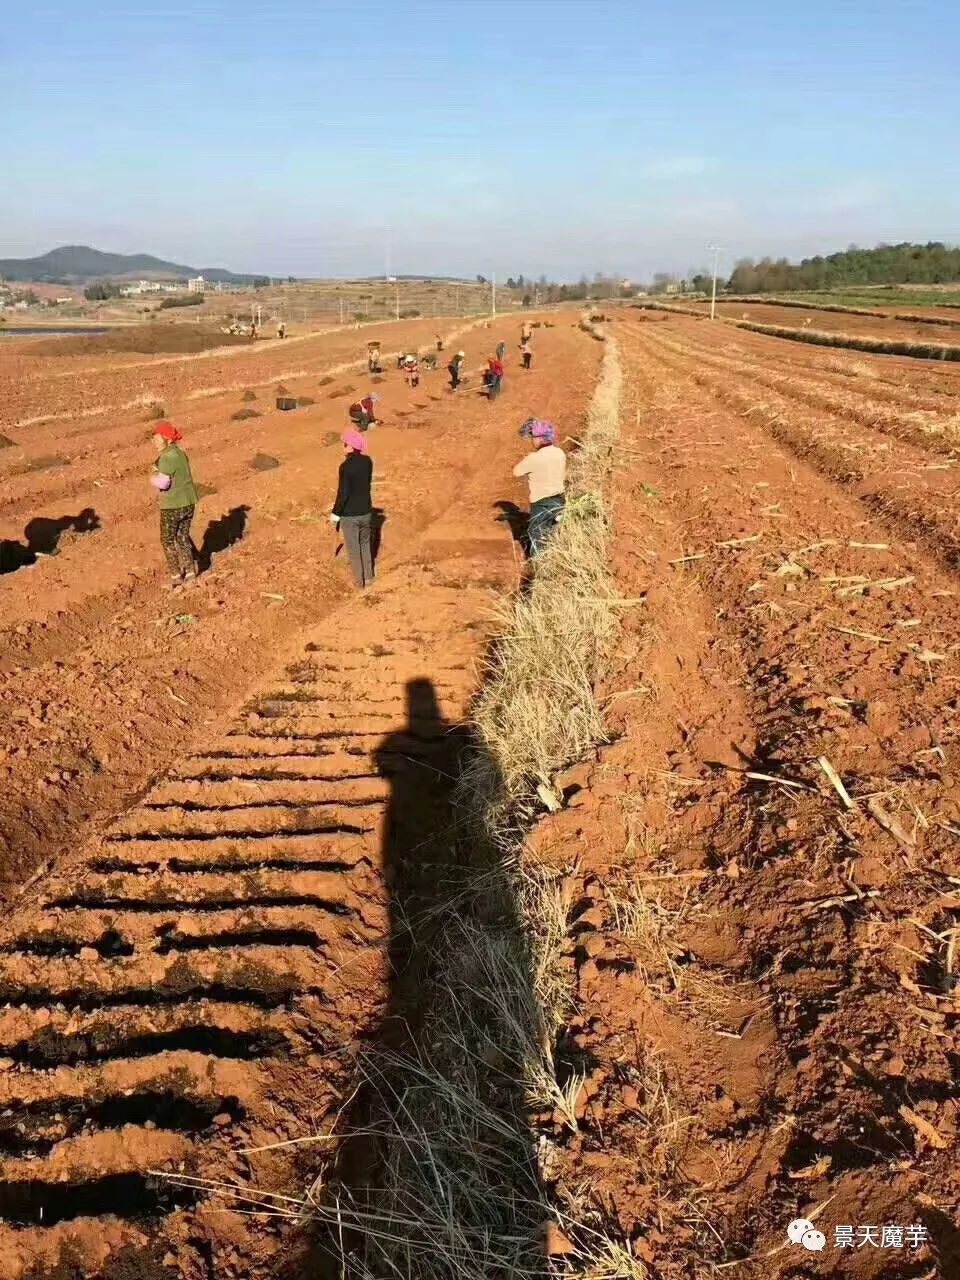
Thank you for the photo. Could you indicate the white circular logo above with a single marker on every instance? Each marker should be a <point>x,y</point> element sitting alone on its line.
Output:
<point>798,1228</point>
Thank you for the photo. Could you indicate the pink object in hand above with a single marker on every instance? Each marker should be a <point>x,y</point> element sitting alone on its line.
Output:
<point>160,481</point>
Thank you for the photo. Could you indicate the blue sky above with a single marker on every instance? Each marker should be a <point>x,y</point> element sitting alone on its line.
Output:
<point>547,136</point>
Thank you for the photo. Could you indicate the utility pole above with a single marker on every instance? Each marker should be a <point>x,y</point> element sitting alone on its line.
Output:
<point>341,310</point>
<point>493,295</point>
<point>397,308</point>
<point>458,299</point>
<point>713,295</point>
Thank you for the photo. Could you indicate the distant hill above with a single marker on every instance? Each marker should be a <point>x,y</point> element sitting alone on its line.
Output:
<point>77,264</point>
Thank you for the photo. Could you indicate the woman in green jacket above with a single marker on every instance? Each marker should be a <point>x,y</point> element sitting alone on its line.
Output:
<point>178,501</point>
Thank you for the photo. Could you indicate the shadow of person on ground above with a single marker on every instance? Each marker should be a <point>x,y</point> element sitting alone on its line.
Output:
<point>221,534</point>
<point>42,536</point>
<point>517,519</point>
<point>376,532</point>
<point>436,1138</point>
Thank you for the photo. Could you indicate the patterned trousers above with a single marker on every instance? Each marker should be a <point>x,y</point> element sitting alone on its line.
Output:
<point>175,540</point>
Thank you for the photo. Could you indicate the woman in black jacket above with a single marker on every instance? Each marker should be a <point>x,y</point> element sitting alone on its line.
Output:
<point>353,508</point>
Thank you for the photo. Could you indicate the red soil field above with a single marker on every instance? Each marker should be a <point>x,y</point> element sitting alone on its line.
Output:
<point>190,979</point>
<point>766,981</point>
<point>878,326</point>
<point>761,867</point>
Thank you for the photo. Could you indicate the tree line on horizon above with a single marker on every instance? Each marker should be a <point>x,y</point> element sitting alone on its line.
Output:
<point>905,263</point>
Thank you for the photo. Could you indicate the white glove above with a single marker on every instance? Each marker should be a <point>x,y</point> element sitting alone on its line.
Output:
<point>334,520</point>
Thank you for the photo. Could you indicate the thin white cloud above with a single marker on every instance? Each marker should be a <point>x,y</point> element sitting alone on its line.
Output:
<point>847,197</point>
<point>678,167</point>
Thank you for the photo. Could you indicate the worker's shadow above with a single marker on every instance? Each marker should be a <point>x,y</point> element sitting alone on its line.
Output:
<point>377,521</point>
<point>440,1111</point>
<point>221,534</point>
<point>516,519</point>
<point>42,537</point>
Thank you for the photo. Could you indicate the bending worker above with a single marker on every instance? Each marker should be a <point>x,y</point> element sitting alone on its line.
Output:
<point>363,413</point>
<point>455,369</point>
<point>546,472</point>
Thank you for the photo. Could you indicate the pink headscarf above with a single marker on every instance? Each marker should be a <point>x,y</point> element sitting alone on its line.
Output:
<point>354,440</point>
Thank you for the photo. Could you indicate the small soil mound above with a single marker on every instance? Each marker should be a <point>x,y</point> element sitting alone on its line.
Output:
<point>242,415</point>
<point>48,462</point>
<point>6,442</point>
<point>248,395</point>
<point>265,462</point>
<point>304,401</point>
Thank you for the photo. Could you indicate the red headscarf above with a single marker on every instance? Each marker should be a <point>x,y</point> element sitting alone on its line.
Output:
<point>168,431</point>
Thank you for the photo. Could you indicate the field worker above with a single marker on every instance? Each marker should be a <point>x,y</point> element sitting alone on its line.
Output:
<point>363,414</point>
<point>494,377</point>
<point>501,348</point>
<point>455,369</point>
<point>546,472</point>
<point>353,509</point>
<point>373,357</point>
<point>178,500</point>
<point>526,353</point>
<point>439,341</point>
<point>526,332</point>
<point>411,369</point>
<point>281,329</point>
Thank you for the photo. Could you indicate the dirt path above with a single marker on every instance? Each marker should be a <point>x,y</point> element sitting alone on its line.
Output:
<point>766,1011</point>
<point>190,983</point>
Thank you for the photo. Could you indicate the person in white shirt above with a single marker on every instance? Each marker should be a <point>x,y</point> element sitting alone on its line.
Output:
<point>546,472</point>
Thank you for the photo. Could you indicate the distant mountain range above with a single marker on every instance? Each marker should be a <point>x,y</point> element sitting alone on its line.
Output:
<point>77,264</point>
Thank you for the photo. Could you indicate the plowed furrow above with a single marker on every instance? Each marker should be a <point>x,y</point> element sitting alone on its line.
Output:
<point>259,768</point>
<point>226,1031</point>
<point>218,793</point>
<point>248,819</point>
<point>31,1129</point>
<point>249,848</point>
<point>105,933</point>
<point>892,477</point>
<point>197,981</point>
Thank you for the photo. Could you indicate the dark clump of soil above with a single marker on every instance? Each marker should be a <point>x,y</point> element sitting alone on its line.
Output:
<point>325,382</point>
<point>155,412</point>
<point>242,415</point>
<point>248,395</point>
<point>264,462</point>
<point>304,401</point>
<point>330,437</point>
<point>128,1263</point>
<point>206,490</point>
<point>6,442</point>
